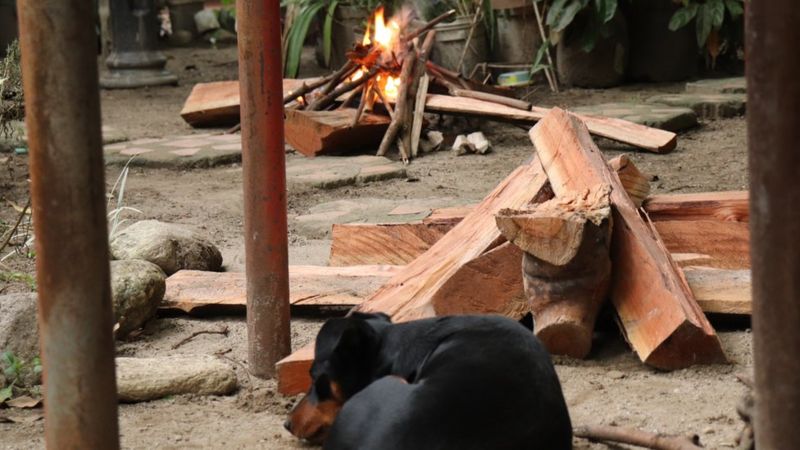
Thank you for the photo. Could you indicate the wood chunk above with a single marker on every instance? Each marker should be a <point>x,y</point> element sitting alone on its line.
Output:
<point>355,244</point>
<point>721,291</point>
<point>292,371</point>
<point>636,184</point>
<point>315,133</point>
<point>647,138</point>
<point>217,103</point>
<point>416,291</point>
<point>732,206</point>
<point>192,291</point>
<point>479,143</point>
<point>657,311</point>
<point>726,243</point>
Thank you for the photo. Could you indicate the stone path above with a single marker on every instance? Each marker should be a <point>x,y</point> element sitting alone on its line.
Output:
<point>665,117</point>
<point>735,85</point>
<point>706,106</point>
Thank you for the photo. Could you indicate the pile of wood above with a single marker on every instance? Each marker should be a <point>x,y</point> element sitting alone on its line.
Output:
<point>349,109</point>
<point>574,220</point>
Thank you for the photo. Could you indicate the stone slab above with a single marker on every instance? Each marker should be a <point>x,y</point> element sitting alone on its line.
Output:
<point>329,172</point>
<point>194,150</point>
<point>316,224</point>
<point>143,379</point>
<point>706,106</point>
<point>733,85</point>
<point>658,116</point>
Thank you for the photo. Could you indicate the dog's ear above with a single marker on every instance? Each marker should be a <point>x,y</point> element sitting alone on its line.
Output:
<point>527,321</point>
<point>357,341</point>
<point>381,317</point>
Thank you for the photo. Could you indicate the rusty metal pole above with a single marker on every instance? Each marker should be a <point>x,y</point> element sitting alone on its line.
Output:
<point>773,123</point>
<point>263,161</point>
<point>59,67</point>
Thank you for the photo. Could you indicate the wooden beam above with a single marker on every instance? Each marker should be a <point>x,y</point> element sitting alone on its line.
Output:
<point>315,133</point>
<point>193,291</point>
<point>721,291</point>
<point>657,311</point>
<point>647,138</point>
<point>693,228</point>
<point>414,293</point>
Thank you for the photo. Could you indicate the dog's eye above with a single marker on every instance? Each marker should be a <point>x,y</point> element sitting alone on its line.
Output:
<point>322,386</point>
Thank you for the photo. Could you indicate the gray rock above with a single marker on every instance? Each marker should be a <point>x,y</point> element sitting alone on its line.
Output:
<point>658,116</point>
<point>137,288</point>
<point>143,379</point>
<point>706,106</point>
<point>19,331</point>
<point>735,85</point>
<point>172,247</point>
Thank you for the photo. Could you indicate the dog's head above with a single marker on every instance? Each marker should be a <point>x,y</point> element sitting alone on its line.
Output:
<point>345,361</point>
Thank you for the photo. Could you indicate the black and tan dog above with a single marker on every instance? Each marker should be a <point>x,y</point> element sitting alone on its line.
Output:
<point>459,382</point>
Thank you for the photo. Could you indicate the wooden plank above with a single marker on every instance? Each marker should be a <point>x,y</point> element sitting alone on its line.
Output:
<point>717,291</point>
<point>732,206</point>
<point>657,311</point>
<point>414,292</point>
<point>724,244</point>
<point>217,103</point>
<point>315,133</point>
<point>192,291</point>
<point>647,138</point>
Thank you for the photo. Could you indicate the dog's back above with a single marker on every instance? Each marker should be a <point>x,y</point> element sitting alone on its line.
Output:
<point>473,382</point>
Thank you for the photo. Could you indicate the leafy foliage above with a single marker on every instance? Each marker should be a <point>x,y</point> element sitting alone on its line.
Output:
<point>562,14</point>
<point>12,104</point>
<point>12,277</point>
<point>711,17</point>
<point>16,372</point>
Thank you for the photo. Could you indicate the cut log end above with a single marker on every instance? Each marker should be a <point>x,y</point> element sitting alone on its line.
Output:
<point>688,345</point>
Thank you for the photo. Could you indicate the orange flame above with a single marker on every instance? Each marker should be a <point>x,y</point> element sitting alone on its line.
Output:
<point>385,34</point>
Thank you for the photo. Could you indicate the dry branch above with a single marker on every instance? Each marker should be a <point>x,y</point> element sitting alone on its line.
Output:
<point>327,100</point>
<point>307,87</point>
<point>629,436</point>
<point>436,21</point>
<point>401,104</point>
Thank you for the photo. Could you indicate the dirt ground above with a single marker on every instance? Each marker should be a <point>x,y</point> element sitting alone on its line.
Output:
<point>611,387</point>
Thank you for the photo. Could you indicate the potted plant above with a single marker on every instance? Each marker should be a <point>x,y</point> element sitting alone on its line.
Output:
<point>462,43</point>
<point>718,26</point>
<point>592,42</point>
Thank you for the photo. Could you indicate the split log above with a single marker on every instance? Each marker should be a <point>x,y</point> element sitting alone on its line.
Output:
<point>217,103</point>
<point>638,438</point>
<point>397,244</point>
<point>721,291</point>
<point>635,182</point>
<point>193,291</point>
<point>727,244</point>
<point>315,133</point>
<point>647,138</point>
<point>732,206</point>
<point>566,266</point>
<point>656,309</point>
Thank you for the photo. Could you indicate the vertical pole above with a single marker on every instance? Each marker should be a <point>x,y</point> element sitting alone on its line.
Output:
<point>263,161</point>
<point>773,123</point>
<point>59,67</point>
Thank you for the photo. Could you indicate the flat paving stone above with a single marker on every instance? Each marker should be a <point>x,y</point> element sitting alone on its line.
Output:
<point>317,223</point>
<point>668,118</point>
<point>706,106</point>
<point>329,172</point>
<point>111,135</point>
<point>194,150</point>
<point>734,85</point>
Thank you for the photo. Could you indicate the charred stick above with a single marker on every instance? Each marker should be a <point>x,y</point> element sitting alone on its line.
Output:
<point>637,438</point>
<point>385,102</point>
<point>348,69</point>
<point>401,105</point>
<point>349,99</point>
<point>429,25</point>
<point>326,100</point>
<point>446,75</point>
<point>305,88</point>
<point>427,45</point>
<point>364,94</point>
<point>499,99</point>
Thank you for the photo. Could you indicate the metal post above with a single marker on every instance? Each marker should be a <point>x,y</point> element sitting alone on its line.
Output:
<point>265,229</point>
<point>773,122</point>
<point>59,67</point>
<point>135,60</point>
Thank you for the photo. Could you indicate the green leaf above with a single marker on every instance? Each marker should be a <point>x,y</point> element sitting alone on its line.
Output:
<point>704,18</point>
<point>541,54</point>
<point>735,7</point>
<point>555,10</point>
<point>683,16</point>
<point>297,36</point>
<point>715,9</point>
<point>606,9</point>
<point>327,32</point>
<point>565,15</point>
<point>6,393</point>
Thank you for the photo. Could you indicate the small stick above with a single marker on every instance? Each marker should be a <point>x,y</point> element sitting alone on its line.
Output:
<point>419,112</point>
<point>13,229</point>
<point>325,101</point>
<point>306,88</point>
<point>429,25</point>
<point>637,437</point>
<point>349,100</point>
<point>469,38</point>
<point>347,70</point>
<point>427,45</point>
<point>499,99</point>
<point>401,104</point>
<point>385,101</point>
<point>364,94</point>
<point>548,72</point>
<point>234,129</point>
<point>223,331</point>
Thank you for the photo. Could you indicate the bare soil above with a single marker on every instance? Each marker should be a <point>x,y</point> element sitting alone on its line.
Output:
<point>611,387</point>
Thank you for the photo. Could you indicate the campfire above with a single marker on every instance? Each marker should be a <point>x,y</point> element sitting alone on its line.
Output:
<point>390,67</point>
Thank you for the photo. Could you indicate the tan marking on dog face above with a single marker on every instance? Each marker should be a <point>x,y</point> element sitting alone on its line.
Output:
<point>312,420</point>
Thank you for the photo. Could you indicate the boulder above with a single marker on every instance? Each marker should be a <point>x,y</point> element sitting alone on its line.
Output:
<point>172,247</point>
<point>137,288</point>
<point>19,331</point>
<point>143,379</point>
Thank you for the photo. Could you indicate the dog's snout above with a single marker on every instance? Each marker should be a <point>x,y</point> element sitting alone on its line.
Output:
<point>288,425</point>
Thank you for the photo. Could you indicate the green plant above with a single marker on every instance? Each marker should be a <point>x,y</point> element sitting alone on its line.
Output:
<point>714,22</point>
<point>17,372</point>
<point>562,15</point>
<point>12,105</point>
<point>12,277</point>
